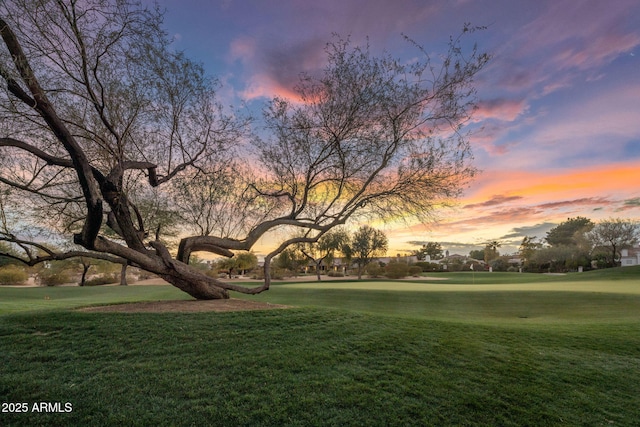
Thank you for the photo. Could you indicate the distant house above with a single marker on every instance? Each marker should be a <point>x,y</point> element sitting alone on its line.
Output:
<point>630,257</point>
<point>453,258</point>
<point>515,260</point>
<point>411,259</point>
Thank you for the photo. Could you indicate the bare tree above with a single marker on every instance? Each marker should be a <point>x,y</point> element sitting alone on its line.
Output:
<point>612,235</point>
<point>98,109</point>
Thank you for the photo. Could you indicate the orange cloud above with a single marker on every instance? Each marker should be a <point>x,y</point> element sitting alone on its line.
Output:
<point>495,200</point>
<point>547,186</point>
<point>502,202</point>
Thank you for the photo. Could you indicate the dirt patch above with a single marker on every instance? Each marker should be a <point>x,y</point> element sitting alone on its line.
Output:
<point>189,306</point>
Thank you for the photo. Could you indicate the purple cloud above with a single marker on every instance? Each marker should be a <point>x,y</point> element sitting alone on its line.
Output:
<point>500,109</point>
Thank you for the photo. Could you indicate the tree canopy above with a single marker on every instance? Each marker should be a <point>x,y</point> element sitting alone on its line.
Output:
<point>611,235</point>
<point>325,249</point>
<point>114,141</point>
<point>367,244</point>
<point>431,249</point>
<point>568,233</point>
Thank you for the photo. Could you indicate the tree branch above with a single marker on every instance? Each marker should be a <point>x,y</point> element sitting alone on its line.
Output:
<point>51,160</point>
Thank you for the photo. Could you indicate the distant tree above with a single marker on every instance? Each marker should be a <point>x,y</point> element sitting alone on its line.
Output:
<point>325,249</point>
<point>501,263</point>
<point>557,259</point>
<point>477,254</point>
<point>245,261</point>
<point>6,249</point>
<point>612,235</point>
<point>455,264</point>
<point>85,263</point>
<point>527,250</point>
<point>198,262</point>
<point>568,233</point>
<point>433,249</point>
<point>226,265</point>
<point>240,263</point>
<point>491,250</point>
<point>367,244</point>
<point>290,259</point>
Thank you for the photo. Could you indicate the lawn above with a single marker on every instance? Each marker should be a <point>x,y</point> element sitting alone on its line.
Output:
<point>349,354</point>
<point>19,299</point>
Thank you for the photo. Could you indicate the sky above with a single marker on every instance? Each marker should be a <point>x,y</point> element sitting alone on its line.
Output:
<point>557,131</point>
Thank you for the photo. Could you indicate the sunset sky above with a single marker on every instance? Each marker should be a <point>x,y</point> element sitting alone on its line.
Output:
<point>557,133</point>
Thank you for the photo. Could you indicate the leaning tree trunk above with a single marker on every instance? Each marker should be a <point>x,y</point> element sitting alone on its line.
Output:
<point>198,289</point>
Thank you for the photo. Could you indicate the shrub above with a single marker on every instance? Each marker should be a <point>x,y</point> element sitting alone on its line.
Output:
<point>454,266</point>
<point>335,274</point>
<point>499,264</point>
<point>102,280</point>
<point>396,270</point>
<point>373,269</point>
<point>12,275</point>
<point>428,266</point>
<point>53,278</point>
<point>277,273</point>
<point>415,270</point>
<point>145,275</point>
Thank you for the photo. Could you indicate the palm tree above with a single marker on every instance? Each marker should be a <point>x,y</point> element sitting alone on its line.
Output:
<point>491,250</point>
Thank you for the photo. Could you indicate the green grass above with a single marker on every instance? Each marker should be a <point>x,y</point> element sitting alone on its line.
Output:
<point>510,352</point>
<point>315,367</point>
<point>492,298</point>
<point>18,299</point>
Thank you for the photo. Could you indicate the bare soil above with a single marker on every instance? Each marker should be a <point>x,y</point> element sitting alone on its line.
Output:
<point>189,306</point>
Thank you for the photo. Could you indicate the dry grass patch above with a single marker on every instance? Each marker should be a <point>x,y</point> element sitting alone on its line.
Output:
<point>189,306</point>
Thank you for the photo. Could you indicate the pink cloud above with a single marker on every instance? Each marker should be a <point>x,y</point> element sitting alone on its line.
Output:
<point>242,49</point>
<point>501,109</point>
<point>276,71</point>
<point>488,136</point>
<point>597,51</point>
<point>264,86</point>
<point>582,34</point>
<point>566,37</point>
<point>590,123</point>
<point>585,201</point>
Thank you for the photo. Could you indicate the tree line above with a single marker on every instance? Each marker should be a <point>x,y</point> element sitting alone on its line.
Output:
<point>579,242</point>
<point>575,243</point>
